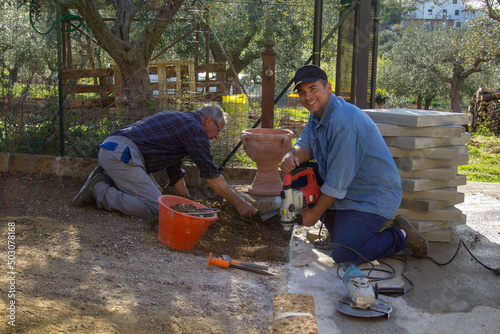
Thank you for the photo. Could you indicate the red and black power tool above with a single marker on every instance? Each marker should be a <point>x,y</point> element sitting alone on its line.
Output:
<point>296,199</point>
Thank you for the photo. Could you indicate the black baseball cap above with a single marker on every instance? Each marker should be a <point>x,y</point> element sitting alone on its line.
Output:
<point>309,73</point>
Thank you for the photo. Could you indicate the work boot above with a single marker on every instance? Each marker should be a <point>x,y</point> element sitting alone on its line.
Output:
<point>86,194</point>
<point>414,240</point>
<point>324,243</point>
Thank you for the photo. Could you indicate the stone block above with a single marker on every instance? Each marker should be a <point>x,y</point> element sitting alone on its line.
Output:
<point>314,233</point>
<point>465,138</point>
<point>262,203</point>
<point>427,184</point>
<point>463,159</point>
<point>446,152</point>
<point>444,194</point>
<point>428,131</point>
<point>448,214</point>
<point>438,235</point>
<point>294,313</point>
<point>424,142</point>
<point>73,166</point>
<point>442,173</point>
<point>425,163</point>
<point>416,117</point>
<point>429,205</point>
<point>433,225</point>
<point>32,164</point>
<point>4,162</point>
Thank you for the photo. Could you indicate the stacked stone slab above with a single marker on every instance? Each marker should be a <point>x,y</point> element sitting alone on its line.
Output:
<point>427,146</point>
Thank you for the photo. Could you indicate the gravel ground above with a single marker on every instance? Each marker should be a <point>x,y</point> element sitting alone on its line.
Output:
<point>90,271</point>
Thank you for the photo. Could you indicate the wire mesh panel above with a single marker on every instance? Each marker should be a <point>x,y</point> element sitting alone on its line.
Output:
<point>346,57</point>
<point>356,56</point>
<point>211,52</point>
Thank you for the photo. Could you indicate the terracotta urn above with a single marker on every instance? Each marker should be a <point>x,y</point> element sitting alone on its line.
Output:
<point>266,147</point>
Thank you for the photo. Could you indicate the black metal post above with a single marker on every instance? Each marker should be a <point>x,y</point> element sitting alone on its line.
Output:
<point>318,16</point>
<point>363,53</point>
<point>60,79</point>
<point>376,22</point>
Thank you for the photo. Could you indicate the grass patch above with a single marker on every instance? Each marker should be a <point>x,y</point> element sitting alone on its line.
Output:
<point>299,114</point>
<point>484,159</point>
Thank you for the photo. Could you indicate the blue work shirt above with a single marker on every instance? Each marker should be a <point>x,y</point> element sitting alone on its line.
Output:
<point>353,159</point>
<point>165,138</point>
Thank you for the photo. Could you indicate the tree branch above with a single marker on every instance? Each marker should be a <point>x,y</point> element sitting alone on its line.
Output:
<point>106,39</point>
<point>493,10</point>
<point>152,33</point>
<point>125,12</point>
<point>475,68</point>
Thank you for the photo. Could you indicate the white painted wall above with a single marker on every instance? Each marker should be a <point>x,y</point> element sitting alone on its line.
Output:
<point>450,12</point>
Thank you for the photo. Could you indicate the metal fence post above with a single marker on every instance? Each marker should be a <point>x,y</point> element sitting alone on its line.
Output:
<point>268,75</point>
<point>60,79</point>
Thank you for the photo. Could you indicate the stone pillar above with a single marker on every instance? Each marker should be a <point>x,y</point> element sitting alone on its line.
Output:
<point>268,74</point>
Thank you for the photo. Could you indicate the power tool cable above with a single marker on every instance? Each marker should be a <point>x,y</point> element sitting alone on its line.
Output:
<point>460,243</point>
<point>392,271</point>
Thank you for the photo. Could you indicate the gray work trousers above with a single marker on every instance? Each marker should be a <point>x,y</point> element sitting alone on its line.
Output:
<point>136,192</point>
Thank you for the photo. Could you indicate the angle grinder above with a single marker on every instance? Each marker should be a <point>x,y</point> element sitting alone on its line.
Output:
<point>362,297</point>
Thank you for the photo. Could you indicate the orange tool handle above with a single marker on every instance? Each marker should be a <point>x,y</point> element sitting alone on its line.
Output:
<point>217,262</point>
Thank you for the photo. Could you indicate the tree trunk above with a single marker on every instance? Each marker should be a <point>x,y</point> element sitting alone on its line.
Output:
<point>131,56</point>
<point>418,104</point>
<point>137,90</point>
<point>427,103</point>
<point>455,96</point>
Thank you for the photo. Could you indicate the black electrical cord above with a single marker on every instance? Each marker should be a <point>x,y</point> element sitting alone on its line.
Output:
<point>391,272</point>
<point>460,243</point>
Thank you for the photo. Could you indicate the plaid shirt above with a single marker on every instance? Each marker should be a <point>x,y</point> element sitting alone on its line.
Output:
<point>166,138</point>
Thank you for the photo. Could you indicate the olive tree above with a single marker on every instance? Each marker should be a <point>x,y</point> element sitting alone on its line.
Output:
<point>451,55</point>
<point>129,44</point>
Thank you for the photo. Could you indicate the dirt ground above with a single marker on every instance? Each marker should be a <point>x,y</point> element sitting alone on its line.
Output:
<point>83,270</point>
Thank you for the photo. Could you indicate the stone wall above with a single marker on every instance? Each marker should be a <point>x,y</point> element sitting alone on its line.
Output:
<point>81,167</point>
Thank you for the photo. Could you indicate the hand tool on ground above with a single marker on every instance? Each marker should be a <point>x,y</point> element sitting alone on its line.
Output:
<point>246,264</point>
<point>231,264</point>
<point>361,299</point>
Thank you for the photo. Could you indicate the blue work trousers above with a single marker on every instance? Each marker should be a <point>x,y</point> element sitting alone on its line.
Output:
<point>361,232</point>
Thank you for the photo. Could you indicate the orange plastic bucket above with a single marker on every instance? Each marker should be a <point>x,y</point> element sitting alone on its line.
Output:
<point>178,230</point>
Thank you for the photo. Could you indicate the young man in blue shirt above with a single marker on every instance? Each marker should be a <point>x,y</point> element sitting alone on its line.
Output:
<point>158,142</point>
<point>362,186</point>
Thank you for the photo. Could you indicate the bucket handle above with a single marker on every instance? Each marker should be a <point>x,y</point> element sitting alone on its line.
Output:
<point>207,211</point>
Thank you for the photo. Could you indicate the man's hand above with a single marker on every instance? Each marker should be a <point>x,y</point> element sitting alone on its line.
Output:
<point>220,186</point>
<point>246,210</point>
<point>180,188</point>
<point>296,156</point>
<point>309,217</point>
<point>289,163</point>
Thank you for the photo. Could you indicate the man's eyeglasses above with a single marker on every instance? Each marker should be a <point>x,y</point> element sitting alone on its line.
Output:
<point>217,125</point>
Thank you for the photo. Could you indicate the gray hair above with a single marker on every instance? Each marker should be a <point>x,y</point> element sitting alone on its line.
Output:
<point>213,110</point>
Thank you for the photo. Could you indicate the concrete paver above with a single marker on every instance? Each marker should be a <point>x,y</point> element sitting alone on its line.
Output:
<point>416,118</point>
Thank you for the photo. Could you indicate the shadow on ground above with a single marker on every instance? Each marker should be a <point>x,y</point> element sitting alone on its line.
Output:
<point>85,270</point>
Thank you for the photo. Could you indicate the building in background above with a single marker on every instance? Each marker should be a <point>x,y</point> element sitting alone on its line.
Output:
<point>454,13</point>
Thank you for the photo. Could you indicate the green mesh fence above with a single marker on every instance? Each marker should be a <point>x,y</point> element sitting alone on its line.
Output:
<point>194,64</point>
